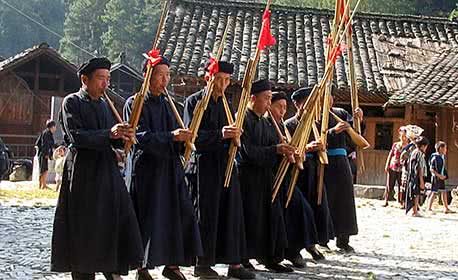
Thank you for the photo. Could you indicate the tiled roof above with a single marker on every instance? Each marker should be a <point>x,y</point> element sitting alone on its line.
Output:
<point>436,85</point>
<point>128,70</point>
<point>32,52</point>
<point>194,28</point>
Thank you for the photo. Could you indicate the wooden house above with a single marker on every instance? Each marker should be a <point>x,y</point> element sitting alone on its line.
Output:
<point>431,101</point>
<point>28,81</point>
<point>33,84</point>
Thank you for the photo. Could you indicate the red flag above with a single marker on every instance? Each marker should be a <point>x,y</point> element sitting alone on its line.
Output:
<point>266,38</point>
<point>342,8</point>
<point>212,68</point>
<point>336,52</point>
<point>344,16</point>
<point>153,57</point>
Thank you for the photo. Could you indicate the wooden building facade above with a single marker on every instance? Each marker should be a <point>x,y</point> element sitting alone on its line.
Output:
<point>431,101</point>
<point>28,81</point>
<point>33,84</point>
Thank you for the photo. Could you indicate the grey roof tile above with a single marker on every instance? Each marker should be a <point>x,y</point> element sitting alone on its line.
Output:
<point>436,85</point>
<point>193,30</point>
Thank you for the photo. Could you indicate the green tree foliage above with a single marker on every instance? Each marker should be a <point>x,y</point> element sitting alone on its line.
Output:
<point>130,28</point>
<point>18,33</point>
<point>83,26</point>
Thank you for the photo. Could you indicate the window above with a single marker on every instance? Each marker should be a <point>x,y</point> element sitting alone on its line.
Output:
<point>383,136</point>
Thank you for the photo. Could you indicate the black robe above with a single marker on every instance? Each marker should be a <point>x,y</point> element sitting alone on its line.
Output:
<point>219,209</point>
<point>45,144</point>
<point>339,181</point>
<point>299,220</point>
<point>417,163</point>
<point>95,228</point>
<point>307,183</point>
<point>264,221</point>
<point>164,208</point>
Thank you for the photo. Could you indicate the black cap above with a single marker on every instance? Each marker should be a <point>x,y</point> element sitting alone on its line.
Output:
<point>260,86</point>
<point>93,64</point>
<point>278,95</point>
<point>50,123</point>
<point>224,67</point>
<point>301,93</point>
<point>164,60</point>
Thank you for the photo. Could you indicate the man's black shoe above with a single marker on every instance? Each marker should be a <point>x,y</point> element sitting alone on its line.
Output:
<point>279,268</point>
<point>205,272</point>
<point>315,253</point>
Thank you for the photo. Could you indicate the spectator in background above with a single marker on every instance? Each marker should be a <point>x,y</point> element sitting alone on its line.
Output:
<point>393,167</point>
<point>59,157</point>
<point>416,173</point>
<point>438,176</point>
<point>5,156</point>
<point>44,146</point>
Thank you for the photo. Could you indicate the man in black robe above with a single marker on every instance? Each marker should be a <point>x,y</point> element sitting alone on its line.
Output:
<point>338,178</point>
<point>95,227</point>
<point>264,221</point>
<point>45,145</point>
<point>219,209</point>
<point>299,220</point>
<point>163,205</point>
<point>308,179</point>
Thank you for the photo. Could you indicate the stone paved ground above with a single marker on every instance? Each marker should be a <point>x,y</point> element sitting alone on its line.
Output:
<point>390,246</point>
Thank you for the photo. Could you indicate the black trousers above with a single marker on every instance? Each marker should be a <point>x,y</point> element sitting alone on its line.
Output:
<point>394,177</point>
<point>89,276</point>
<point>342,240</point>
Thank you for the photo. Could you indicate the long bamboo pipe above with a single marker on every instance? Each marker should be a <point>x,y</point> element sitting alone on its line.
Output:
<point>280,134</point>
<point>241,111</point>
<point>315,92</point>
<point>177,117</point>
<point>137,105</point>
<point>359,140</point>
<point>202,104</point>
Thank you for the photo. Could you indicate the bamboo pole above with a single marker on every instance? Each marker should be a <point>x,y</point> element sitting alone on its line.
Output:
<point>137,105</point>
<point>188,144</point>
<point>113,108</point>
<point>354,93</point>
<point>309,104</point>
<point>287,133</point>
<point>280,134</point>
<point>243,104</point>
<point>202,104</point>
<point>326,101</point>
<point>357,138</point>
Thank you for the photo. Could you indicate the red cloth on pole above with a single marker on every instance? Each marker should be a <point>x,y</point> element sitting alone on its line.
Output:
<point>266,38</point>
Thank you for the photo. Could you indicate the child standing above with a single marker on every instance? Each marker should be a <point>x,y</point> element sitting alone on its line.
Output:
<point>59,157</point>
<point>416,175</point>
<point>439,175</point>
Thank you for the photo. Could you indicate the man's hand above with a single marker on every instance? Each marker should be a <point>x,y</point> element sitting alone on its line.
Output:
<point>122,131</point>
<point>231,132</point>
<point>341,127</point>
<point>182,135</point>
<point>314,146</point>
<point>285,149</point>
<point>358,113</point>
